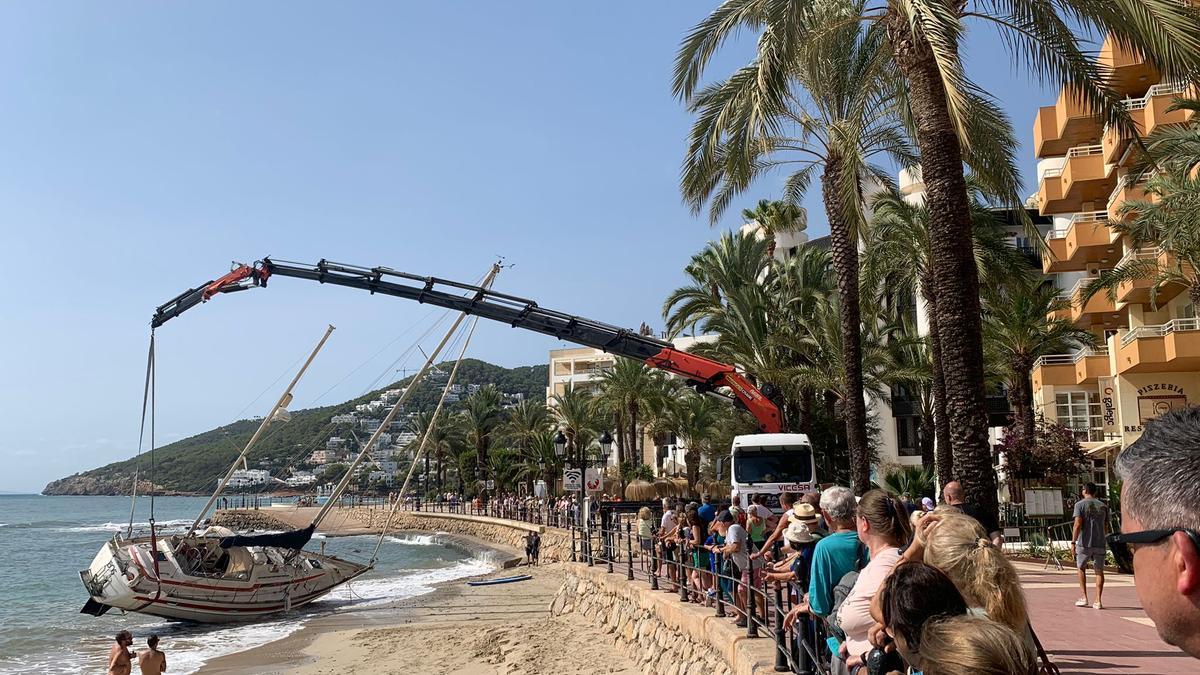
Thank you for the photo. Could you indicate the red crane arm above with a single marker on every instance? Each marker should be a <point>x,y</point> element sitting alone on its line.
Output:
<point>704,374</point>
<point>707,374</point>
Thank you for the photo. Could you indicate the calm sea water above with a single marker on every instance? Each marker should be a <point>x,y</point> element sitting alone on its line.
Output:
<point>45,541</point>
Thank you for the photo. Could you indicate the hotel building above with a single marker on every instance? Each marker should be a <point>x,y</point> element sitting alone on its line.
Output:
<point>1148,349</point>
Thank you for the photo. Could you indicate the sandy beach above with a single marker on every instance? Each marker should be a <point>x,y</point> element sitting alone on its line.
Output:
<point>457,629</point>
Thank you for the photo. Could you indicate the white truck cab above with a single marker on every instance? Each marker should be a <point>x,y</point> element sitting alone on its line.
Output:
<point>769,464</point>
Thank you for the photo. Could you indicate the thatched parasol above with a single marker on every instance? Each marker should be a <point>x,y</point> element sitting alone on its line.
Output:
<point>640,491</point>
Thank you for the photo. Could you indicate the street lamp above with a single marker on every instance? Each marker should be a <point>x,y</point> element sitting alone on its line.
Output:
<point>606,441</point>
<point>560,444</point>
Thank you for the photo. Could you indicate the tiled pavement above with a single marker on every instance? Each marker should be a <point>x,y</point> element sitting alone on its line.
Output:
<point>1117,639</point>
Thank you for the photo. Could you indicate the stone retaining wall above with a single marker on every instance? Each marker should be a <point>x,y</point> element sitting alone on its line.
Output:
<point>556,542</point>
<point>663,635</point>
<point>245,520</point>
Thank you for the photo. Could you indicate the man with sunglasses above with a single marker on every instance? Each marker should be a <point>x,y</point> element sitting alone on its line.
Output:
<point>1160,525</point>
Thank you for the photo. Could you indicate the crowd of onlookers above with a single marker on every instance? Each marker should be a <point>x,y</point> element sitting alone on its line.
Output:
<point>882,581</point>
<point>888,585</point>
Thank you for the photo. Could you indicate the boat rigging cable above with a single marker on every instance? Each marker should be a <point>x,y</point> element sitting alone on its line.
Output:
<point>424,439</point>
<point>281,404</point>
<point>481,291</point>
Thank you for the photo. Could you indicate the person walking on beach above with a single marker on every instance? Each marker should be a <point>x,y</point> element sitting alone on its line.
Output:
<point>152,661</point>
<point>1087,542</point>
<point>119,662</point>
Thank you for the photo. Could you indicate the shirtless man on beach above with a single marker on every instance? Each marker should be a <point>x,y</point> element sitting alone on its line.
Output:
<point>152,661</point>
<point>119,655</point>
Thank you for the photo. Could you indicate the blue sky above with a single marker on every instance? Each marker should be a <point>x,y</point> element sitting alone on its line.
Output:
<point>145,145</point>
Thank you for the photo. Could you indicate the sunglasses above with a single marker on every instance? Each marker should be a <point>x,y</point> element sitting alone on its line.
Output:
<point>1119,542</point>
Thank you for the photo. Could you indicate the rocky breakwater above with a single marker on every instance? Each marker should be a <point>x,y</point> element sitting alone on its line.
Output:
<point>654,629</point>
<point>117,484</point>
<point>556,543</point>
<point>248,520</point>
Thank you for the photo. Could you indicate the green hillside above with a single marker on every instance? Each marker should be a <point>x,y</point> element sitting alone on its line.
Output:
<point>193,464</point>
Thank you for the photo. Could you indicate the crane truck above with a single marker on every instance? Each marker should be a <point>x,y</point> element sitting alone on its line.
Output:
<point>768,462</point>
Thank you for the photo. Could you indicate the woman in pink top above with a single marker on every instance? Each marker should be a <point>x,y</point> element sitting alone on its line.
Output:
<point>883,526</point>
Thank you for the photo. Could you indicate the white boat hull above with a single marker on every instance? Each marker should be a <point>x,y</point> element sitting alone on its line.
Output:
<point>124,575</point>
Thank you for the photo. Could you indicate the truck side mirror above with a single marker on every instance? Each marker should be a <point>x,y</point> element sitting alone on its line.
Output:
<point>722,464</point>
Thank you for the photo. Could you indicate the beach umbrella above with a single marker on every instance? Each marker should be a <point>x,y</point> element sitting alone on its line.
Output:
<point>640,491</point>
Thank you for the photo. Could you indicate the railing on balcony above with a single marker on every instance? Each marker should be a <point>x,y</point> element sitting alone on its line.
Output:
<point>1084,151</point>
<point>1054,360</point>
<point>1139,254</point>
<point>1089,351</point>
<point>1094,217</point>
<point>1161,89</point>
<point>1173,326</point>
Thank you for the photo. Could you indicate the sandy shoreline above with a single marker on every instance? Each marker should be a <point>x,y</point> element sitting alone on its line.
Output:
<point>455,629</point>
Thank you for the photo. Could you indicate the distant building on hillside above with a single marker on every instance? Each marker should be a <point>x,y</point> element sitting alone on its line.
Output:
<point>300,478</point>
<point>348,418</point>
<point>244,478</point>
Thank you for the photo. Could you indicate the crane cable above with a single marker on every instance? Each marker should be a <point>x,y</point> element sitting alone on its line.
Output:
<point>424,440</point>
<point>141,434</point>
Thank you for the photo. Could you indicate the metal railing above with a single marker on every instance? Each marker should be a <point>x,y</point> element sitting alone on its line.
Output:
<point>1054,360</point>
<point>1160,330</point>
<point>610,539</point>
<point>1085,151</point>
<point>1093,217</point>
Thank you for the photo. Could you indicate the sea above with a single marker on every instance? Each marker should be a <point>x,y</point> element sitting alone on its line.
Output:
<point>46,541</point>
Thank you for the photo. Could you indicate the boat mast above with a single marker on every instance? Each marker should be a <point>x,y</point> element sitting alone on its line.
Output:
<point>387,421</point>
<point>283,402</point>
<point>387,523</point>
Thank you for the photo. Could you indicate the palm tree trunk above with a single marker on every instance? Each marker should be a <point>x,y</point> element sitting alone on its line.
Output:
<point>1020,397</point>
<point>635,449</point>
<point>956,281</point>
<point>926,439</point>
<point>692,459</point>
<point>844,245</point>
<point>806,411</point>
<point>944,457</point>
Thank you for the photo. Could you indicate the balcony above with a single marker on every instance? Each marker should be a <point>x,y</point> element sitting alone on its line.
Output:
<point>1088,239</point>
<point>1082,367</point>
<point>1124,192</point>
<point>1172,346</point>
<point>1098,311</point>
<point>1160,98</point>
<point>1061,126</point>
<point>1130,71</point>
<point>1083,180</point>
<point>1056,243</point>
<point>1091,364</point>
<point>1139,290</point>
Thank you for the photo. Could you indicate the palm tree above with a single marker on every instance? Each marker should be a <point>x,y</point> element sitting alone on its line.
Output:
<point>695,420</point>
<point>444,439</point>
<point>774,218</point>
<point>1017,328</point>
<point>953,123</point>
<point>526,420</point>
<point>913,482</point>
<point>843,109</point>
<point>627,390</point>
<point>482,415</point>
<point>575,412</point>
<point>899,256</point>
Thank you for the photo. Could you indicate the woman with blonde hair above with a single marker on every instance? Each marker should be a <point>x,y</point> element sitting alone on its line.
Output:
<point>973,645</point>
<point>957,545</point>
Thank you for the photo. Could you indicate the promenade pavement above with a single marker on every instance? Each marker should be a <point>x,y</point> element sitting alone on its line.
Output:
<point>1116,640</point>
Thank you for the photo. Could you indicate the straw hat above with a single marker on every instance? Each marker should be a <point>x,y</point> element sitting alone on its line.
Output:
<point>797,531</point>
<point>803,512</point>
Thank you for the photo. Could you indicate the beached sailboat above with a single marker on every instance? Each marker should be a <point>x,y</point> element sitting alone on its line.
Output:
<point>216,575</point>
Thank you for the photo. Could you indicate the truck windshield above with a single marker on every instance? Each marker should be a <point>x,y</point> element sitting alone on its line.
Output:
<point>772,464</point>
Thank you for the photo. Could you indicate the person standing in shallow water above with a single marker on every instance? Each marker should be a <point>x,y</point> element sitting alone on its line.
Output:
<point>152,661</point>
<point>119,662</point>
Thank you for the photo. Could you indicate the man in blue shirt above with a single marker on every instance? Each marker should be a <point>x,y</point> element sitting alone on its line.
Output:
<point>836,554</point>
<point>707,511</point>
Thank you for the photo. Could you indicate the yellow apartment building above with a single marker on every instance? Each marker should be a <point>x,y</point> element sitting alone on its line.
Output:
<point>1148,361</point>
